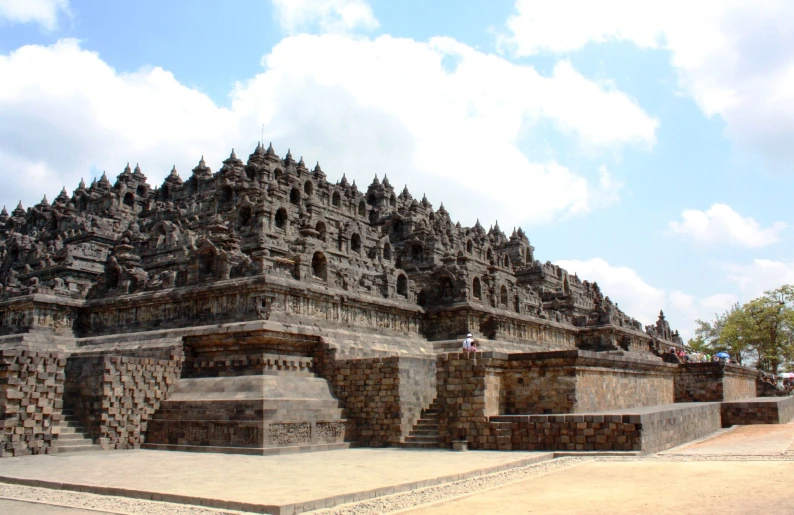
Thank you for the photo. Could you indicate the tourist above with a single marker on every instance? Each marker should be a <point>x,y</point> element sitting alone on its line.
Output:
<point>467,343</point>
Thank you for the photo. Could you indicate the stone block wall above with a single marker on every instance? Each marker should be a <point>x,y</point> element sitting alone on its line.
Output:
<point>582,381</point>
<point>473,387</point>
<point>84,390</point>
<point>383,397</point>
<point>569,432</point>
<point>540,390</point>
<point>417,389</point>
<point>667,428</point>
<point>369,390</point>
<point>647,430</point>
<point>714,382</point>
<point>768,410</point>
<point>31,401</point>
<point>469,392</point>
<point>600,389</point>
<point>243,353</point>
<point>764,388</point>
<point>114,396</point>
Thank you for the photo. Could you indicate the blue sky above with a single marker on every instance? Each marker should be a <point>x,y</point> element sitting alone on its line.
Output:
<point>644,145</point>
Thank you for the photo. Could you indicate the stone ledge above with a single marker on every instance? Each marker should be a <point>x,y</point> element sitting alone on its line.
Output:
<point>647,430</point>
<point>760,410</point>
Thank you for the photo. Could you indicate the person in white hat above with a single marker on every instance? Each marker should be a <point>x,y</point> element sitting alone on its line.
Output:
<point>469,344</point>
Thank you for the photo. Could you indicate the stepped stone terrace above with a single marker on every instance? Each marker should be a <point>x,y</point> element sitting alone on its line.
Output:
<point>262,308</point>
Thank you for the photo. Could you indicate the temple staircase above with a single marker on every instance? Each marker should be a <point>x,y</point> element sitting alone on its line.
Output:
<point>71,435</point>
<point>424,434</point>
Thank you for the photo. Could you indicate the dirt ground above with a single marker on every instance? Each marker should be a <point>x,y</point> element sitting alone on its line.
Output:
<point>658,487</point>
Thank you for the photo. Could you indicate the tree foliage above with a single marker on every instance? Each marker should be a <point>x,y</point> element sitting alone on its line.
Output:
<point>760,331</point>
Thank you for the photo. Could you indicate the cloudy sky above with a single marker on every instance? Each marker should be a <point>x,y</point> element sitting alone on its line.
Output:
<point>645,145</point>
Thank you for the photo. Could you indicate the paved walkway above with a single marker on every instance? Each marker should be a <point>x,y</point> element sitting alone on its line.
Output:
<point>306,480</point>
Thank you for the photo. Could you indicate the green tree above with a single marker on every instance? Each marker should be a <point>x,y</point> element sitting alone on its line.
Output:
<point>761,329</point>
<point>712,337</point>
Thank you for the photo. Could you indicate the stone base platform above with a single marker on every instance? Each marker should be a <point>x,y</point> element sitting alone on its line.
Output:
<point>259,484</point>
<point>251,451</point>
<point>250,414</point>
<point>760,410</point>
<point>647,430</point>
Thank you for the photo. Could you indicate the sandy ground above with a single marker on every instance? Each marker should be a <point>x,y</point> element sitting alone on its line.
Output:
<point>758,440</point>
<point>637,487</point>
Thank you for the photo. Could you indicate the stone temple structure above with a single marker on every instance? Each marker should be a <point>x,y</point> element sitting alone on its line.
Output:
<point>262,308</point>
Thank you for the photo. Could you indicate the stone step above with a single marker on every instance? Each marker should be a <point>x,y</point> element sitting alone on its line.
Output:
<point>71,437</point>
<point>420,445</point>
<point>422,439</point>
<point>77,442</point>
<point>261,451</point>
<point>78,448</point>
<point>252,416</point>
<point>66,430</point>
<point>426,422</point>
<point>424,432</point>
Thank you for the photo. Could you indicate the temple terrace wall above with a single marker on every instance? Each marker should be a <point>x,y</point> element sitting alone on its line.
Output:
<point>115,396</point>
<point>384,397</point>
<point>647,430</point>
<point>765,410</point>
<point>580,381</point>
<point>31,401</point>
<point>714,382</point>
<point>474,387</point>
<point>568,400</point>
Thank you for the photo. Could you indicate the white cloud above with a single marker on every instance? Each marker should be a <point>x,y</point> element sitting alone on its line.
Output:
<point>43,12</point>
<point>690,308</point>
<point>360,106</point>
<point>760,275</point>
<point>623,285</point>
<point>643,301</point>
<point>721,224</point>
<point>735,58</point>
<point>326,15</point>
<point>63,111</point>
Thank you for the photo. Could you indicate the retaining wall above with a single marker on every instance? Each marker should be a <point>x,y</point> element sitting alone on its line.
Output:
<point>646,430</point>
<point>383,397</point>
<point>714,382</point>
<point>31,401</point>
<point>761,410</point>
<point>580,381</point>
<point>114,396</point>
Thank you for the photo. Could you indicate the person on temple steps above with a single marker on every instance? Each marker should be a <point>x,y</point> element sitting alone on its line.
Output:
<point>469,344</point>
